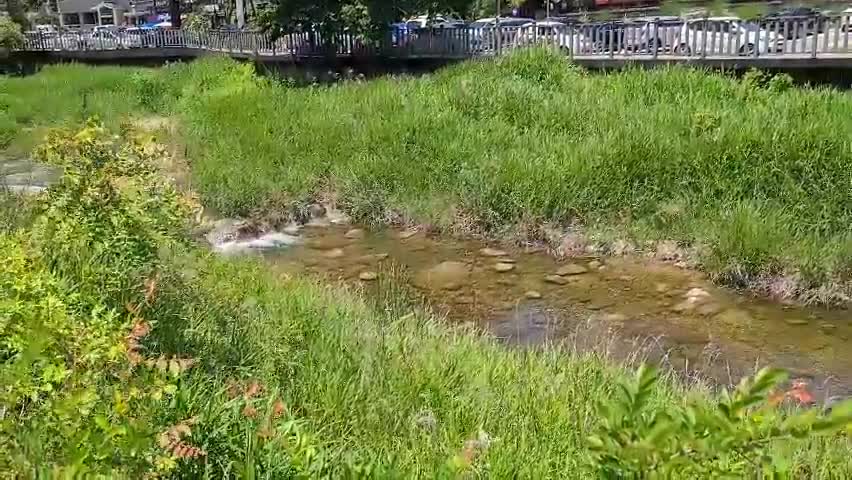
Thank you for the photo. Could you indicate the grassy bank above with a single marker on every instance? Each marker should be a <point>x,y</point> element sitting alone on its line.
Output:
<point>753,175</point>
<point>128,351</point>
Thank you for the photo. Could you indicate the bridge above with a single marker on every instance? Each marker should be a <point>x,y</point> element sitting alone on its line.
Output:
<point>824,42</point>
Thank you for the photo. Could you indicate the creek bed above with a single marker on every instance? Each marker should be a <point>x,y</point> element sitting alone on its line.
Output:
<point>528,298</point>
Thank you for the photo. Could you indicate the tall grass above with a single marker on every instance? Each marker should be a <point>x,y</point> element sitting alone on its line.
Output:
<point>388,392</point>
<point>759,177</point>
<point>755,176</point>
<point>398,394</point>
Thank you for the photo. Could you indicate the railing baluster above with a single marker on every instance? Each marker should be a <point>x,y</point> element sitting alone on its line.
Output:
<point>815,37</point>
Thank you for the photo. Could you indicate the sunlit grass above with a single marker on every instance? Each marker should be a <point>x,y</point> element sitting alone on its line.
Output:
<point>758,178</point>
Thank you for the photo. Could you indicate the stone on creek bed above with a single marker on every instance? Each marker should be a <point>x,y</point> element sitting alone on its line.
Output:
<point>449,275</point>
<point>492,252</point>
<point>571,269</point>
<point>503,267</point>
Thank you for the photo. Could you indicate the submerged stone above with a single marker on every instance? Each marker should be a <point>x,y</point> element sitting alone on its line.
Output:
<point>315,210</point>
<point>449,275</point>
<point>406,234</point>
<point>328,243</point>
<point>826,327</point>
<point>355,234</point>
<point>615,317</point>
<point>368,276</point>
<point>796,321</point>
<point>492,252</point>
<point>558,280</point>
<point>370,258</point>
<point>571,269</point>
<point>334,253</point>
<point>532,295</point>
<point>503,267</point>
<point>600,305</point>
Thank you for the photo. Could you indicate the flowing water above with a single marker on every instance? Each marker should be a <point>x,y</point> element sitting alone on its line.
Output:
<point>21,175</point>
<point>527,297</point>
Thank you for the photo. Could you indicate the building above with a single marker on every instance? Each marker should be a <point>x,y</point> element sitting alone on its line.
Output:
<point>91,13</point>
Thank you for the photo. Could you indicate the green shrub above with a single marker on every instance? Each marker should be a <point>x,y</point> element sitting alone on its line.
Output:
<point>10,33</point>
<point>728,439</point>
<point>107,219</point>
<point>8,130</point>
<point>78,395</point>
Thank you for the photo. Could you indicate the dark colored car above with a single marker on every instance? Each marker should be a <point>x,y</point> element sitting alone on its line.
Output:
<point>799,21</point>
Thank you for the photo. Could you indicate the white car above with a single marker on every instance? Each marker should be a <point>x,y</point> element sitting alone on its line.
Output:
<point>438,21</point>
<point>724,35</point>
<point>546,32</point>
<point>482,35</point>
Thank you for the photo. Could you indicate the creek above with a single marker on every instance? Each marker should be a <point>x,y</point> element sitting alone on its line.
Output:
<point>625,305</point>
<point>526,297</point>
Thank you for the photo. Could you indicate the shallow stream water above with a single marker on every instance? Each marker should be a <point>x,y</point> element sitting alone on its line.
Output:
<point>21,175</point>
<point>527,297</point>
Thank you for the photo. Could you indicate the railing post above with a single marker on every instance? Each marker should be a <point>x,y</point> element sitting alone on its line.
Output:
<point>704,39</point>
<point>656,46</point>
<point>757,31</point>
<point>499,39</point>
<point>571,41</point>
<point>815,38</point>
<point>611,34</point>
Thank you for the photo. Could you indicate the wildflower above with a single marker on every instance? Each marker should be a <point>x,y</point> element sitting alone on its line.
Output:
<point>172,440</point>
<point>254,389</point>
<point>278,409</point>
<point>249,411</point>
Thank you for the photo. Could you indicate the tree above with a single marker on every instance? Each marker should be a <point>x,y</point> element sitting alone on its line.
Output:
<point>16,13</point>
<point>10,34</point>
<point>174,13</point>
<point>356,16</point>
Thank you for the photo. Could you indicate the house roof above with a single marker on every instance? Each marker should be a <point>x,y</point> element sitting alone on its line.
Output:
<point>79,6</point>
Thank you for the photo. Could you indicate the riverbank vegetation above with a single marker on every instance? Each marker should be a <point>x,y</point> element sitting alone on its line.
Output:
<point>749,176</point>
<point>128,350</point>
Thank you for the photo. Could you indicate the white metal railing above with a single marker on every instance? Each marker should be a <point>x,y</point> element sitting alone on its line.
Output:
<point>698,38</point>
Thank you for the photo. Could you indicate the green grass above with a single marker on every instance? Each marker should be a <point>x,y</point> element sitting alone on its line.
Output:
<point>758,179</point>
<point>403,393</point>
<point>371,391</point>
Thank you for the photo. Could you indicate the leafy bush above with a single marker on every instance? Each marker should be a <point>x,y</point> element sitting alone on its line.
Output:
<point>78,394</point>
<point>10,33</point>
<point>728,439</point>
<point>92,314</point>
<point>8,129</point>
<point>109,217</point>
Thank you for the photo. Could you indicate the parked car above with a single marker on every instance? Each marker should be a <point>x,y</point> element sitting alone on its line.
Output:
<point>799,21</point>
<point>406,32</point>
<point>655,33</point>
<point>482,32</point>
<point>46,31</point>
<point>721,33</point>
<point>138,37</point>
<point>437,21</point>
<point>545,32</point>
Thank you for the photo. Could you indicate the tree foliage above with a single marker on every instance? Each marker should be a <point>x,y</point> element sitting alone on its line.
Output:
<point>10,34</point>
<point>357,16</point>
